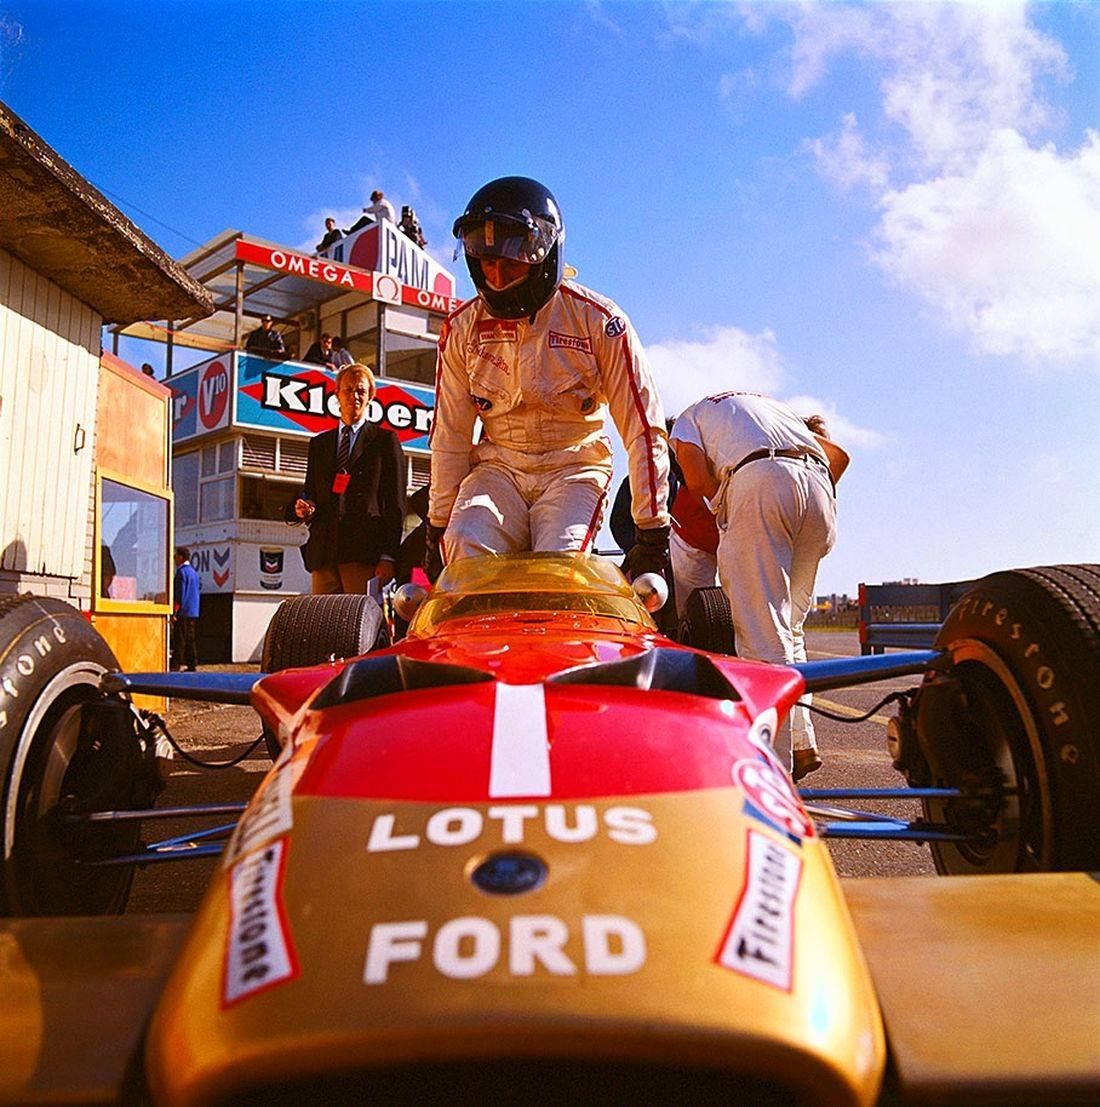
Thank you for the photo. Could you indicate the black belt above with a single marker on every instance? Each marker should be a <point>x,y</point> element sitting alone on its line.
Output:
<point>792,454</point>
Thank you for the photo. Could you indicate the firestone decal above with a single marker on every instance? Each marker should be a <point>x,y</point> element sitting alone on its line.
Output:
<point>459,826</point>
<point>467,948</point>
<point>760,939</point>
<point>269,815</point>
<point>572,342</point>
<point>259,952</point>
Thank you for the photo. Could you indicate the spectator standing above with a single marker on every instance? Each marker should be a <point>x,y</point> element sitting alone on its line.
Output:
<point>333,234</point>
<point>148,370</point>
<point>542,361</point>
<point>320,353</point>
<point>380,208</point>
<point>353,500</point>
<point>341,355</point>
<point>186,590</point>
<point>410,227</point>
<point>771,485</point>
<point>266,340</point>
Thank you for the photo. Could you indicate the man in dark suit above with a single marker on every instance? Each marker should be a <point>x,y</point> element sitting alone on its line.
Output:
<point>354,495</point>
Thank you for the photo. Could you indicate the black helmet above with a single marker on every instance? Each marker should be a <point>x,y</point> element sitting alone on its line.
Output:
<point>517,218</point>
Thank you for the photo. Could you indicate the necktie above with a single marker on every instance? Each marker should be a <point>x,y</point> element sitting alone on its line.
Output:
<point>343,453</point>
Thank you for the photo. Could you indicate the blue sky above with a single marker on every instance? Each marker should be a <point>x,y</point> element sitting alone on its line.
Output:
<point>889,213</point>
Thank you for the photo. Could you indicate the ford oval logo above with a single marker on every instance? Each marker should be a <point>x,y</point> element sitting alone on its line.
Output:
<point>508,874</point>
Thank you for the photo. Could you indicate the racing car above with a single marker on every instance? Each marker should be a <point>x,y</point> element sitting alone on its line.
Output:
<point>534,851</point>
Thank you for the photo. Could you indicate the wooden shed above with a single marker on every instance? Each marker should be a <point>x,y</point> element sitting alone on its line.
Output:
<point>71,262</point>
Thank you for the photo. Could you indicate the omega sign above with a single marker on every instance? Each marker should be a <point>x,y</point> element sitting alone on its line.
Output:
<point>408,273</point>
<point>317,269</point>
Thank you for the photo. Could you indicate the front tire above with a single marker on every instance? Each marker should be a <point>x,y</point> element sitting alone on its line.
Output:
<point>51,661</point>
<point>1018,721</point>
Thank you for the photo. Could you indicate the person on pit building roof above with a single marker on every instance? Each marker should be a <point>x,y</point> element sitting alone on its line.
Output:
<point>332,234</point>
<point>410,227</point>
<point>542,361</point>
<point>380,208</point>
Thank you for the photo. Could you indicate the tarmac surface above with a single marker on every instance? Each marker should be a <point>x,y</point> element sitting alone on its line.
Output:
<point>854,754</point>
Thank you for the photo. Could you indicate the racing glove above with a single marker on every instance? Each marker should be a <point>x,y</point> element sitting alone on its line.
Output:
<point>649,554</point>
<point>433,551</point>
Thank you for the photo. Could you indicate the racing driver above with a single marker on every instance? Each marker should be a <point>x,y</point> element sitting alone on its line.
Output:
<point>541,360</point>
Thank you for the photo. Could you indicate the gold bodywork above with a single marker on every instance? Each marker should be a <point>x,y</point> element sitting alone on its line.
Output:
<point>681,889</point>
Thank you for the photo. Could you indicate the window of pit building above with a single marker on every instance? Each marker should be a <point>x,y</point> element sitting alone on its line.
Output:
<point>185,485</point>
<point>410,358</point>
<point>205,485</point>
<point>133,560</point>
<point>364,348</point>
<point>267,497</point>
<point>217,500</point>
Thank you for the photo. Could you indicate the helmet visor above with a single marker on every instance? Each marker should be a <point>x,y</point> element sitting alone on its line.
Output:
<point>528,240</point>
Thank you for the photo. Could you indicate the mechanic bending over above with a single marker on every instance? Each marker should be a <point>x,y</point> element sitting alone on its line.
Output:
<point>770,478</point>
<point>541,360</point>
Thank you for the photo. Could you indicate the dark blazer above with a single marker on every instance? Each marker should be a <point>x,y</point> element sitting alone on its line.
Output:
<point>367,520</point>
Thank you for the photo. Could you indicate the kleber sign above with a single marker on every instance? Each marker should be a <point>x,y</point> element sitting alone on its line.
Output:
<point>280,396</point>
<point>287,398</point>
<point>385,264</point>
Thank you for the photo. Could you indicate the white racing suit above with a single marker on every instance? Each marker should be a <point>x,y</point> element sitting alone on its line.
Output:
<point>539,476</point>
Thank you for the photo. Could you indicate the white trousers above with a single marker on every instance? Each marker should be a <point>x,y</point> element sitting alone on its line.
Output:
<point>501,510</point>
<point>778,521</point>
<point>691,569</point>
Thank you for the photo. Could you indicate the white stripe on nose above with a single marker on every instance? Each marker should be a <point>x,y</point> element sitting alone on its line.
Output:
<point>520,763</point>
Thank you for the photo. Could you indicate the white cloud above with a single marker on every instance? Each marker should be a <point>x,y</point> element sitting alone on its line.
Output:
<point>959,72</point>
<point>599,16</point>
<point>846,160</point>
<point>841,429</point>
<point>735,86</point>
<point>1045,470</point>
<point>820,32</point>
<point>1008,250</point>
<point>721,359</point>
<point>729,359</point>
<point>950,73</point>
<point>993,229</point>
